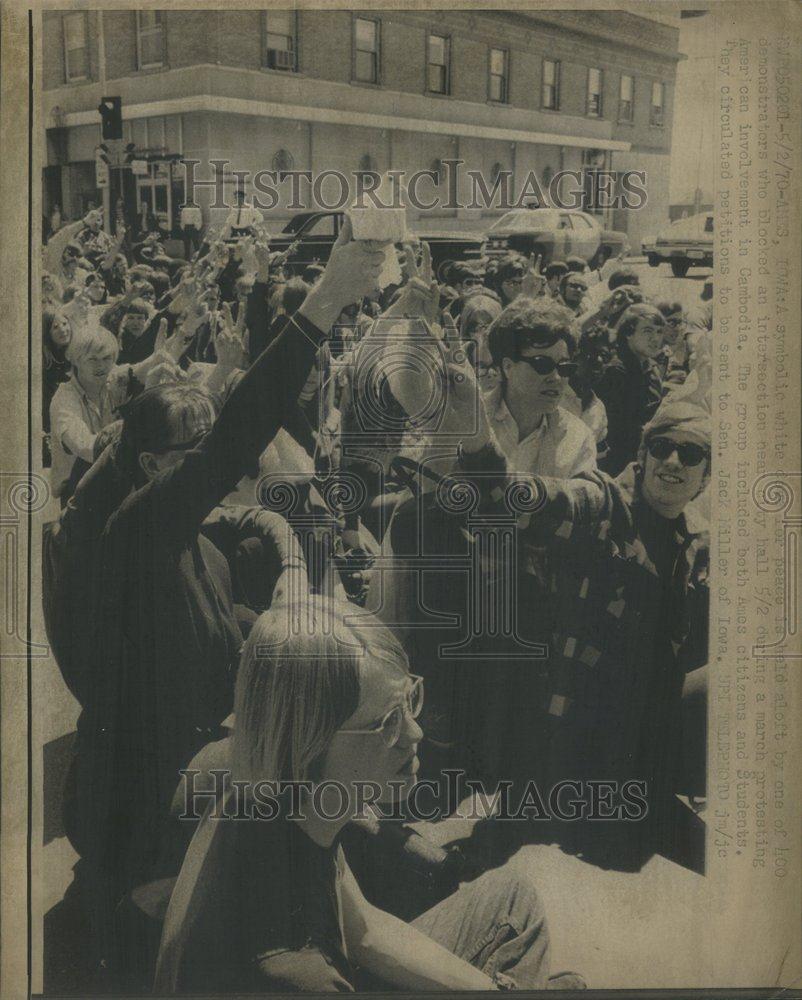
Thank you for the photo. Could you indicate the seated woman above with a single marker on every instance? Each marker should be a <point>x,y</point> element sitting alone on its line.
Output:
<point>83,406</point>
<point>87,403</point>
<point>270,903</point>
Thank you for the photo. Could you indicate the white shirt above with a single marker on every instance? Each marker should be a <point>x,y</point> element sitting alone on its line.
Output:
<point>594,417</point>
<point>191,216</point>
<point>244,217</point>
<point>560,446</point>
<point>75,421</point>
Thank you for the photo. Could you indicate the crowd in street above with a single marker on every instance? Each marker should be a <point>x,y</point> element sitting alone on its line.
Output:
<point>253,461</point>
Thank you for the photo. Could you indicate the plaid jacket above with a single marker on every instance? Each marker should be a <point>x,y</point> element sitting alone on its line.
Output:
<point>626,597</point>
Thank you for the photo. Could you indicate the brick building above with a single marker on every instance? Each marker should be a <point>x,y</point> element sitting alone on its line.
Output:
<point>321,90</point>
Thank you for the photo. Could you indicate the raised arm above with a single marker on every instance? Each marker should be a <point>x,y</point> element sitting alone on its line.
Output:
<point>183,495</point>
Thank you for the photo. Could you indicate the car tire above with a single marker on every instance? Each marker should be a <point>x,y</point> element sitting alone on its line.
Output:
<point>653,260</point>
<point>679,268</point>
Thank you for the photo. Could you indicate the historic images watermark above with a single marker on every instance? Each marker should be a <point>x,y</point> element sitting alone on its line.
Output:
<point>453,795</point>
<point>454,186</point>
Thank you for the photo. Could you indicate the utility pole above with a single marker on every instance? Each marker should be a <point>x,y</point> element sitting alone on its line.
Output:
<point>101,58</point>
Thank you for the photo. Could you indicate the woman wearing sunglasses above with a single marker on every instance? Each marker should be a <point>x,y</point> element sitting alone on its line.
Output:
<point>267,902</point>
<point>532,346</point>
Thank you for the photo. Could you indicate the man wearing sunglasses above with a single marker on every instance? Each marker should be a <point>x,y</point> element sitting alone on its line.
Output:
<point>510,276</point>
<point>531,344</point>
<point>574,289</point>
<point>464,279</point>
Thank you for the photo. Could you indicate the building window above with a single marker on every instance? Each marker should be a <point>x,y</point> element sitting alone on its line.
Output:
<point>367,165</point>
<point>438,65</point>
<point>594,106</point>
<point>498,82</point>
<point>149,39</point>
<point>157,133</point>
<point>626,99</point>
<point>551,85</point>
<point>281,40</point>
<point>283,163</point>
<point>366,50</point>
<point>658,102</point>
<point>76,63</point>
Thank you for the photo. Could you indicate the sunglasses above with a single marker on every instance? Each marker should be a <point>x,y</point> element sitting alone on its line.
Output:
<point>688,453</point>
<point>391,725</point>
<point>544,365</point>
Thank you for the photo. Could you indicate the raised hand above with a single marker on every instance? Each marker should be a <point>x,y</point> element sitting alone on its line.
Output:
<point>464,409</point>
<point>534,283</point>
<point>352,273</point>
<point>261,250</point>
<point>420,296</point>
<point>245,253</point>
<point>231,339</point>
<point>174,346</point>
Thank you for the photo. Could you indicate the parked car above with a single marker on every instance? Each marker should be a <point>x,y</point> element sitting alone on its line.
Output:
<point>314,234</point>
<point>684,244</point>
<point>554,234</point>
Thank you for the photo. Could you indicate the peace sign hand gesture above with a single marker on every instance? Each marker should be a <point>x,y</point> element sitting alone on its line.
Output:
<point>420,297</point>
<point>231,339</point>
<point>534,283</point>
<point>173,346</point>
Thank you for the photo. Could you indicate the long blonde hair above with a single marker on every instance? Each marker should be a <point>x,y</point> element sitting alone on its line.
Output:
<point>298,683</point>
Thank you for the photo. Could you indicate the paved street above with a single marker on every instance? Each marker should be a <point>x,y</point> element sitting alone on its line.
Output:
<point>661,283</point>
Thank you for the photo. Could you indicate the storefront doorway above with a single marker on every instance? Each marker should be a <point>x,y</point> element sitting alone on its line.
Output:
<point>159,195</point>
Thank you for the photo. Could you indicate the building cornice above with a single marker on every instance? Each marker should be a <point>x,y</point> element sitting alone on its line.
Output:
<point>598,135</point>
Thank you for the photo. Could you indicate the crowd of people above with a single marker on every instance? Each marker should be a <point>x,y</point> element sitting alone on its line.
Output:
<point>253,463</point>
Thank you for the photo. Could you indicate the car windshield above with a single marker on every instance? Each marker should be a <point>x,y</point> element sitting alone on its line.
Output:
<point>295,223</point>
<point>524,220</point>
<point>692,227</point>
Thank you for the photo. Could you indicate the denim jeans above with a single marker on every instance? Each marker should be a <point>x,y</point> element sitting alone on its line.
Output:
<point>497,924</point>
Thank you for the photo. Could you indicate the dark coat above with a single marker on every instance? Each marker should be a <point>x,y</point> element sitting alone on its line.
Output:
<point>631,393</point>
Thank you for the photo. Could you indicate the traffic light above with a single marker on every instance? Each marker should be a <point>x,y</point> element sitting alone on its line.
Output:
<point>111,114</point>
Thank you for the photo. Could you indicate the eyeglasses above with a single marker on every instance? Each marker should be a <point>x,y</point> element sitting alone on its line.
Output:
<point>391,725</point>
<point>688,453</point>
<point>579,286</point>
<point>544,365</point>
